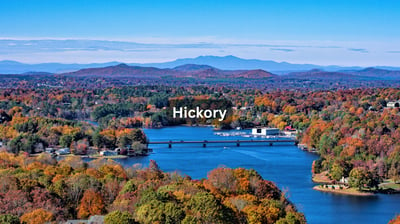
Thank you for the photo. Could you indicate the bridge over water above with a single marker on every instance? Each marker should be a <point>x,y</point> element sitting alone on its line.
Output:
<point>270,142</point>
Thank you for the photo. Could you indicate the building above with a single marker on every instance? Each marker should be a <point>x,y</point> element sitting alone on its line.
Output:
<point>265,131</point>
<point>108,153</point>
<point>38,148</point>
<point>50,150</point>
<point>344,180</point>
<point>393,104</point>
<point>94,219</point>
<point>290,131</point>
<point>289,128</point>
<point>63,151</point>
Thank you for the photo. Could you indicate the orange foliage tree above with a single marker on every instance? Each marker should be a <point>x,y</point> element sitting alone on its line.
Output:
<point>38,216</point>
<point>91,204</point>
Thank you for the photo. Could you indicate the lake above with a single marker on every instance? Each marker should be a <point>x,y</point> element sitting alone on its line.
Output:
<point>286,165</point>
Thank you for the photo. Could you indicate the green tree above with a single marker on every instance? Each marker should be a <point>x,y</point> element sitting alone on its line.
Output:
<point>336,171</point>
<point>162,212</point>
<point>207,209</point>
<point>66,140</point>
<point>357,177</point>
<point>118,217</point>
<point>9,219</point>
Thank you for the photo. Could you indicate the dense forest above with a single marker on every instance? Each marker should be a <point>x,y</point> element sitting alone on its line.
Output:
<point>40,189</point>
<point>354,132</point>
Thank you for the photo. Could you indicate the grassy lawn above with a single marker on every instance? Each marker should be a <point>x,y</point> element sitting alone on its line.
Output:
<point>389,184</point>
<point>108,157</point>
<point>322,178</point>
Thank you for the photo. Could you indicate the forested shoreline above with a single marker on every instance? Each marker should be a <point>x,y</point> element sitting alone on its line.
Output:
<point>40,189</point>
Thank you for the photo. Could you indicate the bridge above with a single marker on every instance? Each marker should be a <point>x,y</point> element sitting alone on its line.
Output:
<point>238,142</point>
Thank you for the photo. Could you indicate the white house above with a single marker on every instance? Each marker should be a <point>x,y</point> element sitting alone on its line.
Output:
<point>63,151</point>
<point>50,150</point>
<point>393,104</point>
<point>265,131</point>
<point>108,153</point>
<point>344,180</point>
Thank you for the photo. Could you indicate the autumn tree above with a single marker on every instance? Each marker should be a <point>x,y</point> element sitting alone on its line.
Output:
<point>91,204</point>
<point>38,216</point>
<point>117,217</point>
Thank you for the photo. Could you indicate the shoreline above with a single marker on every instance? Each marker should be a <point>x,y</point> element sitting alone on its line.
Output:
<point>348,191</point>
<point>95,156</point>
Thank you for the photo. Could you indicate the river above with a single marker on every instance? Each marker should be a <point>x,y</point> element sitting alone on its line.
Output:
<point>287,166</point>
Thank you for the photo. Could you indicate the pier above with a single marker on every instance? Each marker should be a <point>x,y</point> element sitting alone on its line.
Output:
<point>204,143</point>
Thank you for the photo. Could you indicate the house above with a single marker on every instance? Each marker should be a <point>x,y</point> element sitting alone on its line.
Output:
<point>50,150</point>
<point>94,219</point>
<point>38,148</point>
<point>289,128</point>
<point>290,131</point>
<point>344,180</point>
<point>63,151</point>
<point>393,104</point>
<point>265,131</point>
<point>108,153</point>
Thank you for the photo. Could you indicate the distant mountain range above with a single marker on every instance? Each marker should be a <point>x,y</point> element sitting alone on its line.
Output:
<point>184,71</point>
<point>14,67</point>
<point>207,72</point>
<point>363,74</point>
<point>213,62</point>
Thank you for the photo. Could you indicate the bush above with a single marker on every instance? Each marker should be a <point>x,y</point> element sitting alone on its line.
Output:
<point>9,219</point>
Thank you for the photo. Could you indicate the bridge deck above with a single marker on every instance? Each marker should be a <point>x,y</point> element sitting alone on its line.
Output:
<point>224,141</point>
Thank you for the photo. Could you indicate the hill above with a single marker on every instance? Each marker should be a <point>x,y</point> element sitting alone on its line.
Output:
<point>255,74</point>
<point>123,70</point>
<point>326,75</point>
<point>377,73</point>
<point>189,70</point>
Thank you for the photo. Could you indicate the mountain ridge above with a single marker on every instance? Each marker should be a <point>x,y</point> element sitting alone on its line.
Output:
<point>190,70</point>
<point>223,63</point>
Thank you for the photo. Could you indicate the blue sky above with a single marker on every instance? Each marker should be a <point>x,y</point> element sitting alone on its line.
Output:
<point>352,32</point>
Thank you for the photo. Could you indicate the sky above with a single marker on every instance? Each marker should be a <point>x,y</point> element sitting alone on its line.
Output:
<point>325,32</point>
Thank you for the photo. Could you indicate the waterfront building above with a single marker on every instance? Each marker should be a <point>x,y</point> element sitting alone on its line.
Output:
<point>262,131</point>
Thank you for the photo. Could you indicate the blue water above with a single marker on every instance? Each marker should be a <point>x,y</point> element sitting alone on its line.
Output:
<point>287,166</point>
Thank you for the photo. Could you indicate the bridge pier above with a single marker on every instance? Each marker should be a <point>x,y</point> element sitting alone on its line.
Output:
<point>170,144</point>
<point>238,143</point>
<point>204,145</point>
<point>270,144</point>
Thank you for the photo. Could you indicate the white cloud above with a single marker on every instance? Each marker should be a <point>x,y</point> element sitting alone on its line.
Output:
<point>148,50</point>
